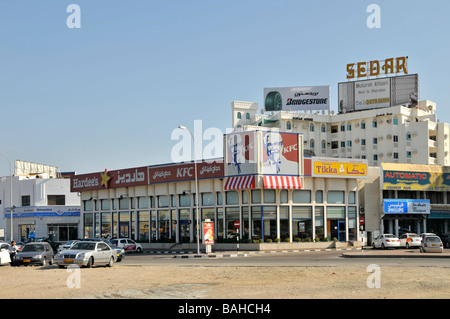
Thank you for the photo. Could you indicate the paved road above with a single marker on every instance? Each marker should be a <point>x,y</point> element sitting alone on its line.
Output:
<point>290,259</point>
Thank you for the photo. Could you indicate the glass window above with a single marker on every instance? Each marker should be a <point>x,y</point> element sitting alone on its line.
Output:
<point>284,222</point>
<point>88,206</point>
<point>26,201</point>
<point>244,197</point>
<point>124,224</point>
<point>301,222</point>
<point>106,204</point>
<point>207,199</point>
<point>319,222</point>
<point>301,196</point>
<point>143,226</point>
<point>232,215</point>
<point>106,225</point>
<point>335,197</point>
<point>247,116</point>
<point>352,223</point>
<point>232,197</point>
<point>164,224</point>
<point>88,225</point>
<point>395,121</point>
<point>185,200</point>
<point>363,125</point>
<point>239,115</point>
<point>319,197</point>
<point>311,127</point>
<point>322,128</point>
<point>284,196</point>
<point>219,198</point>
<point>269,196</point>
<point>142,202</point>
<point>163,201</point>
<point>256,196</point>
<point>123,203</point>
<point>288,125</point>
<point>351,197</point>
<point>56,200</point>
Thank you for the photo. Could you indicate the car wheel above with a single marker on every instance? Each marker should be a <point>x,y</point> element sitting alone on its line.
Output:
<point>373,246</point>
<point>52,261</point>
<point>139,250</point>
<point>111,262</point>
<point>382,246</point>
<point>44,262</point>
<point>407,245</point>
<point>90,263</point>
<point>447,245</point>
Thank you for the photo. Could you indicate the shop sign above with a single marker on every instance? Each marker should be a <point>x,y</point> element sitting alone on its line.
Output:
<point>185,172</point>
<point>416,177</point>
<point>339,168</point>
<point>297,98</point>
<point>407,206</point>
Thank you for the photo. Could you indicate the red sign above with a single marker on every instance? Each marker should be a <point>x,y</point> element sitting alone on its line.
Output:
<point>237,224</point>
<point>361,220</point>
<point>208,233</point>
<point>185,172</point>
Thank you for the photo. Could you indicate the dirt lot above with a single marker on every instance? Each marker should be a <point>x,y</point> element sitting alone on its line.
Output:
<point>181,282</point>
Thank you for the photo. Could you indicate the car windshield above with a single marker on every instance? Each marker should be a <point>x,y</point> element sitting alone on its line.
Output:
<point>33,247</point>
<point>83,246</point>
<point>433,239</point>
<point>414,235</point>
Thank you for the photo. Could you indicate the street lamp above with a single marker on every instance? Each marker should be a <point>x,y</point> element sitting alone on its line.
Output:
<point>10,194</point>
<point>196,186</point>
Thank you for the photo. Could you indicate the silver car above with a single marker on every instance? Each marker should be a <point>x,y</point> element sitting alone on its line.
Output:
<point>86,254</point>
<point>432,244</point>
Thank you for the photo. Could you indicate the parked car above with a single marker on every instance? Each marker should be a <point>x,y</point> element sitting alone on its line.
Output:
<point>67,245</point>
<point>4,254</point>
<point>385,241</point>
<point>52,243</point>
<point>432,244</point>
<point>128,244</point>
<point>445,240</point>
<point>86,254</point>
<point>423,235</point>
<point>120,252</point>
<point>34,253</point>
<point>409,240</point>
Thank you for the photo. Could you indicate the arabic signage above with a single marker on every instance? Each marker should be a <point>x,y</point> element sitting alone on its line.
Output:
<point>297,98</point>
<point>280,153</point>
<point>406,206</point>
<point>339,168</point>
<point>185,172</point>
<point>109,179</point>
<point>416,177</point>
<point>43,211</point>
<point>377,67</point>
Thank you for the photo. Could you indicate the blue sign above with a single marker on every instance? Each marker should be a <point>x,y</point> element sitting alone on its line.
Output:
<point>406,206</point>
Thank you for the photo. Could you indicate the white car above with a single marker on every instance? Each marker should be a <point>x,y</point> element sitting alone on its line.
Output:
<point>5,258</point>
<point>128,244</point>
<point>386,241</point>
<point>409,240</point>
<point>432,244</point>
<point>67,245</point>
<point>87,254</point>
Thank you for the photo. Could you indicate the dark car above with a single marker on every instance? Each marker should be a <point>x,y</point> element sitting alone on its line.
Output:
<point>52,243</point>
<point>40,253</point>
<point>445,239</point>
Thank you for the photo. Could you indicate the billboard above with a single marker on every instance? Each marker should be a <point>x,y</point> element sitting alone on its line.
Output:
<point>377,93</point>
<point>416,177</point>
<point>406,206</point>
<point>185,172</point>
<point>280,153</point>
<point>299,98</point>
<point>241,153</point>
<point>339,168</point>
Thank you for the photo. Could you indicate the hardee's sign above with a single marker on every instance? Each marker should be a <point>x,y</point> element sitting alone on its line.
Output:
<point>377,67</point>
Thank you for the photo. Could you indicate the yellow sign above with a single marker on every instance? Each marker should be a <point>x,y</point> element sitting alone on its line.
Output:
<point>377,67</point>
<point>339,168</point>
<point>105,178</point>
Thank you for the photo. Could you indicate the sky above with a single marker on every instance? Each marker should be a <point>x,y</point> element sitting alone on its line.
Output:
<point>110,93</point>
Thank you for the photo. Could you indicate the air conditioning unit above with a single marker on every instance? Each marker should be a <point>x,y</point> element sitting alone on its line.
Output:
<point>388,121</point>
<point>357,140</point>
<point>389,154</point>
<point>380,121</point>
<point>389,136</point>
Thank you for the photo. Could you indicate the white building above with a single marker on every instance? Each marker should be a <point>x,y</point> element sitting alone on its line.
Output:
<point>395,134</point>
<point>41,205</point>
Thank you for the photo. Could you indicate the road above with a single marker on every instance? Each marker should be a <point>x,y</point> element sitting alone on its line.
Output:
<point>290,259</point>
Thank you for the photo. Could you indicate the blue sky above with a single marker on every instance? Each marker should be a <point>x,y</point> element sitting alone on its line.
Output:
<point>109,95</point>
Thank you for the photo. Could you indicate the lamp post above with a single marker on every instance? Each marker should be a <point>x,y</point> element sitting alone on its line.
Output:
<point>10,194</point>
<point>196,186</point>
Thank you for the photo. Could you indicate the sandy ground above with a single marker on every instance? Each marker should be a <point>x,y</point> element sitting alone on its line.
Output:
<point>200,282</point>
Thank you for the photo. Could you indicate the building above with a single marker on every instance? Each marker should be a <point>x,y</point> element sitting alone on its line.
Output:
<point>397,134</point>
<point>292,198</point>
<point>43,205</point>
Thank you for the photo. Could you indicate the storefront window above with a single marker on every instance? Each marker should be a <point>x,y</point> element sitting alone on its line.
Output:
<point>207,199</point>
<point>335,197</point>
<point>164,224</point>
<point>301,222</point>
<point>352,223</point>
<point>88,225</point>
<point>143,226</point>
<point>185,225</point>
<point>88,206</point>
<point>270,222</point>
<point>106,224</point>
<point>256,226</point>
<point>301,196</point>
<point>106,204</point>
<point>219,198</point>
<point>231,215</point>
<point>153,226</point>
<point>319,197</point>
<point>219,223</point>
<point>163,201</point>
<point>284,199</point>
<point>256,196</point>
<point>336,226</point>
<point>244,197</point>
<point>142,202</point>
<point>284,222</point>
<point>185,200</point>
<point>123,203</point>
<point>319,222</point>
<point>351,197</point>
<point>245,223</point>
<point>115,224</point>
<point>97,225</point>
<point>124,224</point>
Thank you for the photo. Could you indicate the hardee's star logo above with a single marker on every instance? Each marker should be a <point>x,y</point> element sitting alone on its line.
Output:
<point>105,178</point>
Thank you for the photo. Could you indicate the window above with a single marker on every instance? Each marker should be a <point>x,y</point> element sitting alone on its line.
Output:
<point>396,138</point>
<point>232,198</point>
<point>185,200</point>
<point>256,196</point>
<point>374,124</point>
<point>349,143</point>
<point>408,154</point>
<point>311,127</point>
<point>322,128</point>
<point>284,196</point>
<point>26,200</point>
<point>324,144</point>
<point>363,125</point>
<point>56,200</point>
<point>408,137</point>
<point>269,196</point>
<point>335,197</point>
<point>239,115</point>
<point>363,141</point>
<point>163,201</point>
<point>142,202</point>
<point>247,116</point>
<point>395,121</point>
<point>334,145</point>
<point>342,144</point>
<point>342,128</point>
<point>311,144</point>
<point>319,197</point>
<point>105,204</point>
<point>207,199</point>
<point>288,125</point>
<point>375,140</point>
<point>352,197</point>
<point>301,196</point>
<point>349,127</point>
<point>375,157</point>
<point>395,155</point>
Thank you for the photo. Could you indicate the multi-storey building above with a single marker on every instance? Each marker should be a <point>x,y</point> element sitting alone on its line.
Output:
<point>397,134</point>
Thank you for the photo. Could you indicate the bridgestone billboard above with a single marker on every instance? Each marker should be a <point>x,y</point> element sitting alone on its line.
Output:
<point>297,98</point>
<point>377,93</point>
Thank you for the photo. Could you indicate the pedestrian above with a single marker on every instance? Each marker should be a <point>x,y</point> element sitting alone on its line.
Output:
<point>12,251</point>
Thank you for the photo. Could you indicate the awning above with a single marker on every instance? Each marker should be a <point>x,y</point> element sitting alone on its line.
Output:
<point>282,182</point>
<point>240,182</point>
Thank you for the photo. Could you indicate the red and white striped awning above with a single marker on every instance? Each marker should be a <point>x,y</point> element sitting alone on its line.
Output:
<point>282,182</point>
<point>240,182</point>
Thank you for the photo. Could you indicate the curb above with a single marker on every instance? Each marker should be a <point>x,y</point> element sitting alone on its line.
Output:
<point>210,256</point>
<point>418,255</point>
